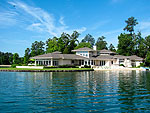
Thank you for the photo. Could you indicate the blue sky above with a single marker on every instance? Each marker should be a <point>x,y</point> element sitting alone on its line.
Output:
<point>24,21</point>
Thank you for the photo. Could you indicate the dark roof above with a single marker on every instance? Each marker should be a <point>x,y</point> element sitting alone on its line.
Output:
<point>107,51</point>
<point>83,49</point>
<point>134,57</point>
<point>58,56</point>
<point>104,57</point>
<point>120,56</point>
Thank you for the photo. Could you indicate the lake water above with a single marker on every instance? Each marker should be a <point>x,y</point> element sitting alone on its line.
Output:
<point>75,92</point>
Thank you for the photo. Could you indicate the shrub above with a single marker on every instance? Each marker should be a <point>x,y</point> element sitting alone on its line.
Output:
<point>121,65</point>
<point>86,66</point>
<point>67,66</point>
<point>138,66</point>
<point>50,67</point>
<point>14,65</point>
<point>142,64</point>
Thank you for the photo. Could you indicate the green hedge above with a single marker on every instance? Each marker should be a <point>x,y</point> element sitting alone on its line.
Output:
<point>67,66</point>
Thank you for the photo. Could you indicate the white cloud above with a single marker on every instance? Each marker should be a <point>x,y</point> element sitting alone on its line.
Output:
<point>8,18</point>
<point>144,25</point>
<point>35,27</point>
<point>61,21</point>
<point>144,28</point>
<point>43,21</point>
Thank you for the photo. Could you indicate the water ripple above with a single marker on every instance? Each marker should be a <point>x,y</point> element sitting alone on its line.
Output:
<point>79,92</point>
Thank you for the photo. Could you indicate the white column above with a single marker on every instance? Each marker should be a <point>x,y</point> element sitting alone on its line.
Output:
<point>42,62</point>
<point>51,62</point>
<point>35,62</point>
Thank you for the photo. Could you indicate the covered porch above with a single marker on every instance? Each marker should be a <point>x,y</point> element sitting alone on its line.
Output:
<point>46,62</point>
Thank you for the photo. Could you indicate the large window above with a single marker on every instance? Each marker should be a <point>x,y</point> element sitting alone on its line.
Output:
<point>72,61</point>
<point>55,63</point>
<point>82,62</point>
<point>121,61</point>
<point>102,63</point>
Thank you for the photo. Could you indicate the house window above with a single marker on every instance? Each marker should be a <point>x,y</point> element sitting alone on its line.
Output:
<point>92,62</point>
<point>102,63</point>
<point>82,62</point>
<point>85,62</point>
<point>121,61</point>
<point>72,61</point>
<point>55,63</point>
<point>89,62</point>
<point>111,62</point>
<point>86,55</point>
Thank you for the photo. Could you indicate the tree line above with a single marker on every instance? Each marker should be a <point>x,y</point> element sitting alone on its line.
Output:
<point>129,43</point>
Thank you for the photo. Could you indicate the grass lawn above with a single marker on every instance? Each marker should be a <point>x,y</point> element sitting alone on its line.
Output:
<point>46,69</point>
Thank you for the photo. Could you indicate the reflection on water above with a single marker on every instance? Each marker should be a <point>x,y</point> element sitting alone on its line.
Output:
<point>98,91</point>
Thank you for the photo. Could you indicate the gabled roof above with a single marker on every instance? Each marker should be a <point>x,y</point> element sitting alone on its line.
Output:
<point>104,57</point>
<point>120,56</point>
<point>134,57</point>
<point>58,56</point>
<point>83,49</point>
<point>107,51</point>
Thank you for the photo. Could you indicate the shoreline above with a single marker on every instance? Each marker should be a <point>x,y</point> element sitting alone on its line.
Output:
<point>44,70</point>
<point>67,70</point>
<point>121,69</point>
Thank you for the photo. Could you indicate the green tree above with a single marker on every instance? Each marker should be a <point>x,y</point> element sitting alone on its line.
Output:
<point>147,42</point>
<point>16,58</point>
<point>52,45</point>
<point>73,40</point>
<point>141,48</point>
<point>112,48</point>
<point>147,60</point>
<point>37,48</point>
<point>83,44</point>
<point>66,51</point>
<point>64,41</point>
<point>101,43</point>
<point>6,58</point>
<point>89,38</point>
<point>27,56</point>
<point>131,23</point>
<point>125,45</point>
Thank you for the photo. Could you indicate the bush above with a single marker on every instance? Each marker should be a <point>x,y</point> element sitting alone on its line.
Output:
<point>47,67</point>
<point>121,65</point>
<point>86,66</point>
<point>138,66</point>
<point>142,64</point>
<point>67,66</point>
<point>14,65</point>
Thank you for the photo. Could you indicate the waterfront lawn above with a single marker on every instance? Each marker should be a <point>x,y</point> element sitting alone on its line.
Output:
<point>46,69</point>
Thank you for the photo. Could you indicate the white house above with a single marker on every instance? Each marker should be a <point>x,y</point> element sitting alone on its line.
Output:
<point>87,56</point>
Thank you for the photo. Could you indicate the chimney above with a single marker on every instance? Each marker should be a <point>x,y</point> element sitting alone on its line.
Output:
<point>94,48</point>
